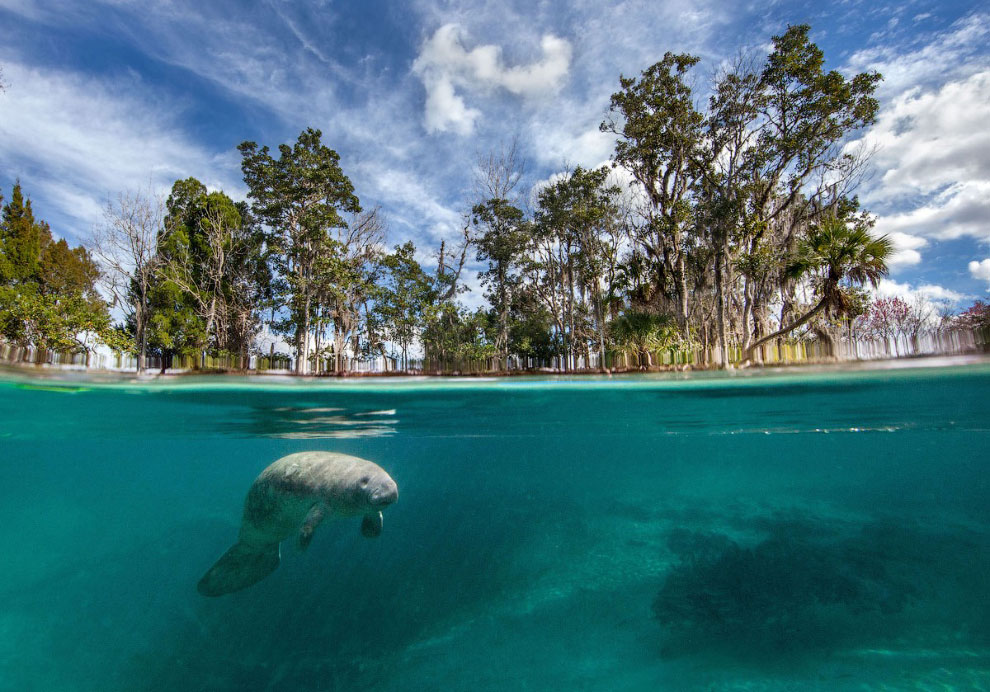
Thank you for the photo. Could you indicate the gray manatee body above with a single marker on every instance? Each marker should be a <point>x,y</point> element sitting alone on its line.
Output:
<point>292,496</point>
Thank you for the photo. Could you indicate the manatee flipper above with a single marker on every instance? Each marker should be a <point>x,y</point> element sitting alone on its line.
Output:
<point>240,567</point>
<point>371,525</point>
<point>310,523</point>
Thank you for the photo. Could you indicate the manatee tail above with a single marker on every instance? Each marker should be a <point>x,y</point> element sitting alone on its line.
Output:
<point>238,568</point>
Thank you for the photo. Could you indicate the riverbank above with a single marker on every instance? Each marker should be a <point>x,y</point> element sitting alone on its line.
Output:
<point>82,376</point>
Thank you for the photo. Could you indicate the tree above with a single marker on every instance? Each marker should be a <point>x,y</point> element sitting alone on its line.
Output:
<point>404,297</point>
<point>886,319</point>
<point>447,329</point>
<point>126,245</point>
<point>796,168</point>
<point>21,240</point>
<point>300,197</point>
<point>576,239</point>
<point>347,276</point>
<point>644,333</point>
<point>834,250</point>
<point>531,333</point>
<point>48,295</point>
<point>175,327</point>
<point>976,316</point>
<point>501,238</point>
<point>721,188</point>
<point>205,251</point>
<point>659,133</point>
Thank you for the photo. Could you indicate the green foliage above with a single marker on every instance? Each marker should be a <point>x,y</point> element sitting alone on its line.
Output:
<point>211,274</point>
<point>644,332</point>
<point>174,326</point>
<point>21,241</point>
<point>48,321</point>
<point>659,130</point>
<point>299,197</point>
<point>404,297</point>
<point>64,271</point>
<point>531,336</point>
<point>501,240</point>
<point>809,110</point>
<point>576,238</point>
<point>453,333</point>
<point>48,294</point>
<point>659,142</point>
<point>838,249</point>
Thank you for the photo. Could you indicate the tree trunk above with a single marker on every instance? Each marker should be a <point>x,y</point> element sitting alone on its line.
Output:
<point>142,339</point>
<point>682,292</point>
<point>338,350</point>
<point>748,354</point>
<point>302,337</point>
<point>747,316</point>
<point>723,341</point>
<point>211,316</point>
<point>601,335</point>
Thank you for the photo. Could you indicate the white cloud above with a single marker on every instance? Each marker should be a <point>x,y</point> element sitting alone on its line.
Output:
<point>74,140</point>
<point>962,210</point>
<point>443,64</point>
<point>412,202</point>
<point>889,288</point>
<point>905,249</point>
<point>929,139</point>
<point>445,110</point>
<point>948,55</point>
<point>557,142</point>
<point>981,270</point>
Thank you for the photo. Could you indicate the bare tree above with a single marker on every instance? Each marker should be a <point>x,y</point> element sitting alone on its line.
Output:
<point>346,278</point>
<point>498,173</point>
<point>125,245</point>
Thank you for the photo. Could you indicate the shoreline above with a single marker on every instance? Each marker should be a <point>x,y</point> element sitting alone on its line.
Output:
<point>54,371</point>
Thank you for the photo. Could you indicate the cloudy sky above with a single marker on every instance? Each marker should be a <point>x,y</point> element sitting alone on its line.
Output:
<point>107,95</point>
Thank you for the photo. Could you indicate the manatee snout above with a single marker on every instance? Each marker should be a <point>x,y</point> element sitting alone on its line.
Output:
<point>385,492</point>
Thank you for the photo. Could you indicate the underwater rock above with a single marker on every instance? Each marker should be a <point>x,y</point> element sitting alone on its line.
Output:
<point>295,494</point>
<point>796,590</point>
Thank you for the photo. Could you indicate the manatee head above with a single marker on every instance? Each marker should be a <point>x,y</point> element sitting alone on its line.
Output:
<point>372,489</point>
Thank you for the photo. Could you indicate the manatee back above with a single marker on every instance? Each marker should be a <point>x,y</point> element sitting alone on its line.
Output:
<point>316,472</point>
<point>287,489</point>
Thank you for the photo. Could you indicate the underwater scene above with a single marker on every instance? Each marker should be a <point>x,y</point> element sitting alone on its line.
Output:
<point>801,529</point>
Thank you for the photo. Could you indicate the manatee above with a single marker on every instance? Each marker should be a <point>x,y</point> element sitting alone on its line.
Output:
<point>292,496</point>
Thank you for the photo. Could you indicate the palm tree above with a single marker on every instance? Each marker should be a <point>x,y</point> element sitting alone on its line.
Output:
<point>839,251</point>
<point>644,332</point>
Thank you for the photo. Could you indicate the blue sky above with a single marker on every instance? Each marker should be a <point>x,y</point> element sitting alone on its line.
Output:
<point>108,95</point>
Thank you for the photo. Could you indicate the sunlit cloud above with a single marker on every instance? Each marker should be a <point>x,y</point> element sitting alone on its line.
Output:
<point>889,288</point>
<point>980,270</point>
<point>75,140</point>
<point>444,64</point>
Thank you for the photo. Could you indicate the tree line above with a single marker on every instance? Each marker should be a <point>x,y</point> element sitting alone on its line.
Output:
<point>720,226</point>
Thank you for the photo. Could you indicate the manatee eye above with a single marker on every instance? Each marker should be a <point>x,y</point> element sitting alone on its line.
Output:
<point>364,481</point>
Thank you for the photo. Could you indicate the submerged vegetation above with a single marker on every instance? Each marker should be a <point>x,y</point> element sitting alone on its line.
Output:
<point>716,230</point>
<point>810,585</point>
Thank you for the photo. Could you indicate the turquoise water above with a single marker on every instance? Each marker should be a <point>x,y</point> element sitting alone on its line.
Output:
<point>800,530</point>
